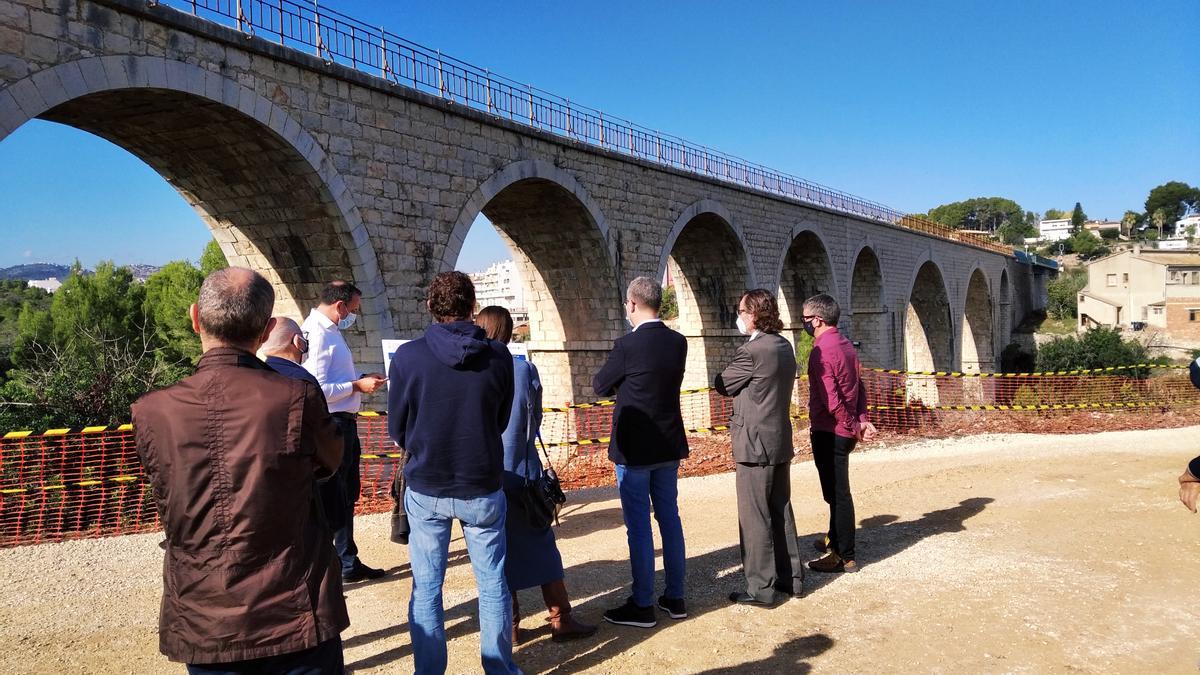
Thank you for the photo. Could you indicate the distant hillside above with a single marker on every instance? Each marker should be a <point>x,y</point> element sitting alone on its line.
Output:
<point>38,271</point>
<point>34,271</point>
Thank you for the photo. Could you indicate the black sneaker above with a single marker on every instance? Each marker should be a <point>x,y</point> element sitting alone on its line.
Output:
<point>630,614</point>
<point>362,573</point>
<point>675,608</point>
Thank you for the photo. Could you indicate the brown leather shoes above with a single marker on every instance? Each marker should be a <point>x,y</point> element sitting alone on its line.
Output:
<point>832,564</point>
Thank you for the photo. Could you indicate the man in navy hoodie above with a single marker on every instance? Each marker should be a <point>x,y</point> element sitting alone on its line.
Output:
<point>449,397</point>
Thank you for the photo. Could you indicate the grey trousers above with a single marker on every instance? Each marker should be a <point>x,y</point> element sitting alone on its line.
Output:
<point>770,552</point>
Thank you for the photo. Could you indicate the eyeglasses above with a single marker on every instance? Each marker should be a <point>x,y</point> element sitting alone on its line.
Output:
<point>744,311</point>
<point>809,317</point>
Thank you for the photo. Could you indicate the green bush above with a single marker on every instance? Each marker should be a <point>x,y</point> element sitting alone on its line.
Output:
<point>1097,348</point>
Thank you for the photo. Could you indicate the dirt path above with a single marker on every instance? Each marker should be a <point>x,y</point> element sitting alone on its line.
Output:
<point>987,554</point>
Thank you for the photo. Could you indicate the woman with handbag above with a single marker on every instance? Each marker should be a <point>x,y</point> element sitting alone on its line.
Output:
<point>533,557</point>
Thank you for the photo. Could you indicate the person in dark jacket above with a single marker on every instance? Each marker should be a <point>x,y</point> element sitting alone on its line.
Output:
<point>251,582</point>
<point>762,377</point>
<point>1189,480</point>
<point>645,371</point>
<point>533,558</point>
<point>450,393</point>
<point>284,350</point>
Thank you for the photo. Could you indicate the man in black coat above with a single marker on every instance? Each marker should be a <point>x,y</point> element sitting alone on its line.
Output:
<point>645,370</point>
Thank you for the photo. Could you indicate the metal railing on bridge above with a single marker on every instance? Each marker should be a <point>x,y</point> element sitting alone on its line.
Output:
<point>337,38</point>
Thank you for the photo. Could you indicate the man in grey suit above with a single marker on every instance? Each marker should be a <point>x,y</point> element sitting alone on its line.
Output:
<point>761,378</point>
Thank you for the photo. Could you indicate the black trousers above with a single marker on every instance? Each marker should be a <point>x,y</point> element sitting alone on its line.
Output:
<point>831,454</point>
<point>349,481</point>
<point>324,659</point>
<point>767,529</point>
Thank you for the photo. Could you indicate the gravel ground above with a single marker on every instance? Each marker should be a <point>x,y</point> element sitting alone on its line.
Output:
<point>1011,553</point>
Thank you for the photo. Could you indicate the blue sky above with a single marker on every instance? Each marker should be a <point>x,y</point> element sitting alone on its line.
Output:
<point>911,104</point>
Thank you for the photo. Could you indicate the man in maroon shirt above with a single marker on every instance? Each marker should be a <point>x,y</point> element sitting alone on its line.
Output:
<point>837,408</point>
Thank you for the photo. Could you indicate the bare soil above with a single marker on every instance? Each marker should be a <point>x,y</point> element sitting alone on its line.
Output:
<point>995,553</point>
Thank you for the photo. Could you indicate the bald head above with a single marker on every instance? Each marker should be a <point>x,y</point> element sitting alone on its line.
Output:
<point>282,340</point>
<point>234,307</point>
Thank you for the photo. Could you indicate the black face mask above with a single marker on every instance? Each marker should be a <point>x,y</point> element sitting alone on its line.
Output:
<point>297,344</point>
<point>809,328</point>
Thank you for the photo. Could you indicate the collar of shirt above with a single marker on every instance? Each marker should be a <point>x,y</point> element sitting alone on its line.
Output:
<point>827,335</point>
<point>754,335</point>
<point>646,322</point>
<point>322,320</point>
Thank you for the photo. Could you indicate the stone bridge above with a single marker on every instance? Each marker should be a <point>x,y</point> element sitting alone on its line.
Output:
<point>307,167</point>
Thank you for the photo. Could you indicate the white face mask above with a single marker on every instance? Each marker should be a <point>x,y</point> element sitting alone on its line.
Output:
<point>741,326</point>
<point>347,322</point>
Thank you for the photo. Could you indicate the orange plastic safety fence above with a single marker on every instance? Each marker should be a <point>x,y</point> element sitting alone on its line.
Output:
<point>66,484</point>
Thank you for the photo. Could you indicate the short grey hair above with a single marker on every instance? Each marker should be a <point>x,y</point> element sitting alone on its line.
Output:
<point>824,306</point>
<point>645,291</point>
<point>281,335</point>
<point>235,305</point>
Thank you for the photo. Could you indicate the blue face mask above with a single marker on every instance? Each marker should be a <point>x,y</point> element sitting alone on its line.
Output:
<point>809,328</point>
<point>347,322</point>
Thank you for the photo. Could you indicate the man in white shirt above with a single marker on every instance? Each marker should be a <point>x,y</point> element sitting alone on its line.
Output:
<point>330,361</point>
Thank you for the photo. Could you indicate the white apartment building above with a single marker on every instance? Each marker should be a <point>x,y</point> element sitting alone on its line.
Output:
<point>49,285</point>
<point>1184,224</point>
<point>1054,229</point>
<point>501,285</point>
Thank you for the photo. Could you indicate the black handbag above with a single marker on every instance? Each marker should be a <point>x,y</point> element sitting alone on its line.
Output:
<point>541,497</point>
<point>400,527</point>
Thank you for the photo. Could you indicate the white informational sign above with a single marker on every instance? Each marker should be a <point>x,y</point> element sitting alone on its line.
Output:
<point>519,350</point>
<point>389,348</point>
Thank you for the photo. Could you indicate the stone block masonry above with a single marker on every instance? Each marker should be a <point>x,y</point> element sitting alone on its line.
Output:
<point>309,171</point>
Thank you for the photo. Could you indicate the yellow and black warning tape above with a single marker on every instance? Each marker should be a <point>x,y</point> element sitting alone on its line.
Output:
<point>65,432</point>
<point>1040,406</point>
<point>1048,373</point>
<point>65,486</point>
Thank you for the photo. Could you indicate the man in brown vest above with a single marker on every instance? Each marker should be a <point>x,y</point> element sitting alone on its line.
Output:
<point>250,579</point>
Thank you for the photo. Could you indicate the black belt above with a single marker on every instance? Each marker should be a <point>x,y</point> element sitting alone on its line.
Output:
<point>345,415</point>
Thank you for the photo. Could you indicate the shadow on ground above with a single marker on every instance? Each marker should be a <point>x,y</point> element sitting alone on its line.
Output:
<point>710,576</point>
<point>883,536</point>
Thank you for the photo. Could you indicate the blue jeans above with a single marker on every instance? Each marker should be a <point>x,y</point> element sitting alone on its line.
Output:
<point>482,521</point>
<point>641,486</point>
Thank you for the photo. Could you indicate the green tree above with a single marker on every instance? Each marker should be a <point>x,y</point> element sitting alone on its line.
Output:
<point>670,304</point>
<point>1055,214</point>
<point>170,292</point>
<point>1169,197</point>
<point>1097,348</point>
<point>1161,219</point>
<point>212,259</point>
<point>1062,293</point>
<point>1130,222</point>
<point>1015,234</point>
<point>1078,218</point>
<point>15,295</point>
<point>87,356</point>
<point>1087,245</point>
<point>980,213</point>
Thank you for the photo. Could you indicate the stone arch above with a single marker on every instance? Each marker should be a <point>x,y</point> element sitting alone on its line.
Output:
<point>1004,316</point>
<point>562,250</point>
<point>869,311</point>
<point>928,326</point>
<point>978,337</point>
<point>805,269</point>
<point>707,259</point>
<point>262,184</point>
